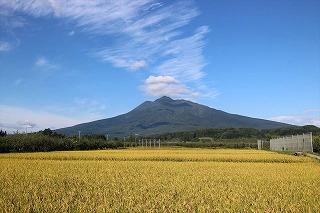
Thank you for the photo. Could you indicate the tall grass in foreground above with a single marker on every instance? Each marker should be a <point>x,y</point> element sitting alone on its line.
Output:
<point>142,180</point>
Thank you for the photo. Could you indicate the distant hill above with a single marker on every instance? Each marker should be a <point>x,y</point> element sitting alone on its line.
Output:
<point>167,115</point>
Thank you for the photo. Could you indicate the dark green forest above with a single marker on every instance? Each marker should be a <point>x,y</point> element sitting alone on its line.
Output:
<point>240,133</point>
<point>48,140</point>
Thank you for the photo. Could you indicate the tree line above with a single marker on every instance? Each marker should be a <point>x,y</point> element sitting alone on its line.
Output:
<point>240,133</point>
<point>237,137</point>
<point>47,140</point>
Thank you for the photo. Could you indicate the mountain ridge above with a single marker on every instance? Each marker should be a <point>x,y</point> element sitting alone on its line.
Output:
<point>167,115</point>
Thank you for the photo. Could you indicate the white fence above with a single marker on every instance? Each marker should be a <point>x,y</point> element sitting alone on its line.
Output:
<point>261,143</point>
<point>294,143</point>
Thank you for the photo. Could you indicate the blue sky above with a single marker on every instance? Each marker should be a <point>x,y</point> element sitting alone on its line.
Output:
<point>68,62</point>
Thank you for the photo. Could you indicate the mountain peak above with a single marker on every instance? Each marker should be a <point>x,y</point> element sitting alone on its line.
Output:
<point>164,99</point>
<point>167,115</point>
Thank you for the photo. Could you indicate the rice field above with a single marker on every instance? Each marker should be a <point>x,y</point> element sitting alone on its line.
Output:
<point>159,180</point>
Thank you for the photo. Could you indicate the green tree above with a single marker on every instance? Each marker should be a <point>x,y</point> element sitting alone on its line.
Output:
<point>47,132</point>
<point>316,143</point>
<point>3,133</point>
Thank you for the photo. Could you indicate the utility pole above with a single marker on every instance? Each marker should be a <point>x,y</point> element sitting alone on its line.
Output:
<point>26,124</point>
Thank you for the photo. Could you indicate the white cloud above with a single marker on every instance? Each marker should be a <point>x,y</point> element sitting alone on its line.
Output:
<point>158,86</point>
<point>71,33</point>
<point>138,64</point>
<point>12,119</point>
<point>147,36</point>
<point>307,117</point>
<point>149,33</point>
<point>35,7</point>
<point>187,61</point>
<point>161,79</point>
<point>17,81</point>
<point>97,16</point>
<point>8,40</point>
<point>89,109</point>
<point>311,111</point>
<point>128,64</point>
<point>83,110</point>
<point>42,63</point>
<point>5,46</point>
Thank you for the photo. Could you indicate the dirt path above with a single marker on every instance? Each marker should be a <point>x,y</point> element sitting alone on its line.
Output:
<point>313,156</point>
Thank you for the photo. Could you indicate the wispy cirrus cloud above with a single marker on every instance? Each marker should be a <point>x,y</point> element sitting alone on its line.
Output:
<point>71,33</point>
<point>146,33</point>
<point>186,61</point>
<point>5,46</point>
<point>147,36</point>
<point>8,40</point>
<point>42,63</point>
<point>138,65</point>
<point>17,81</point>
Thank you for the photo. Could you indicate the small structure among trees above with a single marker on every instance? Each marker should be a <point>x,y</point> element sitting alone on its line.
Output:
<point>261,144</point>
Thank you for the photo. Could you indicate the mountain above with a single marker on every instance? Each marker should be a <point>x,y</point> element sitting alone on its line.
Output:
<point>167,115</point>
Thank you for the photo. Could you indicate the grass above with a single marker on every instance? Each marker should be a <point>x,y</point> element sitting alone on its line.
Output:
<point>314,153</point>
<point>158,180</point>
